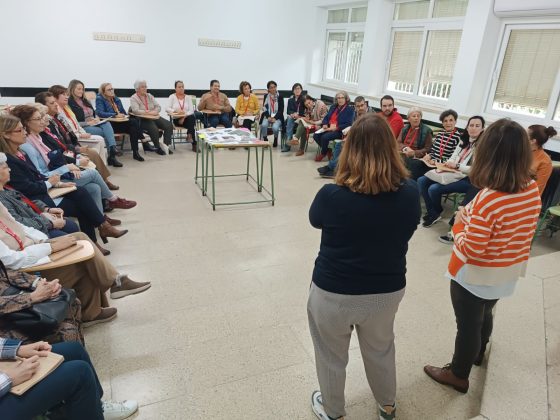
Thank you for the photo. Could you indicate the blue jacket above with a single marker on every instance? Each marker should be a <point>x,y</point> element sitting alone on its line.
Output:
<point>104,109</point>
<point>344,118</point>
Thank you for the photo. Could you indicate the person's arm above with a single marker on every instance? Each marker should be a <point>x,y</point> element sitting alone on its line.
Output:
<point>472,231</point>
<point>22,181</point>
<point>189,108</point>
<point>172,105</point>
<point>31,255</point>
<point>102,108</point>
<point>135,106</point>
<point>8,351</point>
<point>36,235</point>
<point>544,170</point>
<point>157,106</point>
<point>345,119</point>
<point>227,105</point>
<point>202,103</point>
<point>36,221</point>
<point>396,124</point>
<point>317,209</point>
<point>328,116</point>
<point>254,104</point>
<point>400,144</point>
<point>239,105</point>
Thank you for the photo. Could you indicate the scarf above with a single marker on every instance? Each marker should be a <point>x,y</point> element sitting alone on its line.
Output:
<point>37,143</point>
<point>272,111</point>
<point>113,104</point>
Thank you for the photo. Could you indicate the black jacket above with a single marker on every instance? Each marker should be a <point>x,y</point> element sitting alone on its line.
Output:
<point>279,115</point>
<point>77,109</point>
<point>27,180</point>
<point>294,106</point>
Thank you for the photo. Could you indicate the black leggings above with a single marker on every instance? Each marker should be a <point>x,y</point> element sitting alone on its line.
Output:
<point>79,204</point>
<point>188,123</point>
<point>130,127</point>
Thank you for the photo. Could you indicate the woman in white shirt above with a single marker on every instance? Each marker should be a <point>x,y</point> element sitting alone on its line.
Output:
<point>181,104</point>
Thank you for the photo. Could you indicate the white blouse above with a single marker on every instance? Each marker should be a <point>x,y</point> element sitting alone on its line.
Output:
<point>185,105</point>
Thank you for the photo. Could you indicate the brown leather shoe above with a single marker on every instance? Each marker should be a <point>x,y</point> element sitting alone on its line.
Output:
<point>112,186</point>
<point>128,287</point>
<point>444,376</point>
<point>108,231</point>
<point>104,251</point>
<point>106,315</point>
<point>299,152</point>
<point>293,142</point>
<point>122,203</point>
<point>112,222</point>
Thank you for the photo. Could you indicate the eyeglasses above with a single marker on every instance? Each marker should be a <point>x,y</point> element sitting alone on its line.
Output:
<point>18,130</point>
<point>36,119</point>
<point>110,90</point>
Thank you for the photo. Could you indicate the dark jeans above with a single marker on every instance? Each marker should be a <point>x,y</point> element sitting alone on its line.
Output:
<point>79,204</point>
<point>215,119</point>
<point>433,191</point>
<point>188,123</point>
<point>336,153</point>
<point>416,167</point>
<point>323,139</point>
<point>152,128</point>
<point>474,327</point>
<point>469,196</point>
<point>130,127</point>
<point>74,382</point>
<point>69,227</point>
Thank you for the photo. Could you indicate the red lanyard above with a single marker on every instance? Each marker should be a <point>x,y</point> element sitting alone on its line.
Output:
<point>25,200</point>
<point>181,105</point>
<point>272,105</point>
<point>21,156</point>
<point>49,132</point>
<point>443,144</point>
<point>12,234</point>
<point>145,102</point>
<point>413,139</point>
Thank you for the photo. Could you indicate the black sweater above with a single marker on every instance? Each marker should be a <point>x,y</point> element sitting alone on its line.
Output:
<point>364,238</point>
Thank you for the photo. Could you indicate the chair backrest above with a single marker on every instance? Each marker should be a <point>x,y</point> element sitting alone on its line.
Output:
<point>260,95</point>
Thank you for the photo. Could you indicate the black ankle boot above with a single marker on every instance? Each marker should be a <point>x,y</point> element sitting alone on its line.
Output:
<point>275,144</point>
<point>136,156</point>
<point>112,159</point>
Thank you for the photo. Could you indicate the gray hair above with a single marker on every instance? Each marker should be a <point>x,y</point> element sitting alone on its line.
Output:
<point>3,158</point>
<point>414,109</point>
<point>343,93</point>
<point>138,83</point>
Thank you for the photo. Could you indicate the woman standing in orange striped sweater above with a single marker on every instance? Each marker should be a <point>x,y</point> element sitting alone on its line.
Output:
<point>492,242</point>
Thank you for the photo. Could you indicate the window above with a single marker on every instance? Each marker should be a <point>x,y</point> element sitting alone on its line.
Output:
<point>424,52</point>
<point>528,81</point>
<point>345,39</point>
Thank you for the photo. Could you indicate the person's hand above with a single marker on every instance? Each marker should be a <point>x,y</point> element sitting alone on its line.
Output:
<point>84,161</point>
<point>62,242</point>
<point>23,371</point>
<point>325,127</point>
<point>58,222</point>
<point>54,179</point>
<point>409,152</point>
<point>77,173</point>
<point>119,115</point>
<point>461,215</point>
<point>450,164</point>
<point>66,184</point>
<point>40,348</point>
<point>45,290</point>
<point>85,135</point>
<point>56,211</point>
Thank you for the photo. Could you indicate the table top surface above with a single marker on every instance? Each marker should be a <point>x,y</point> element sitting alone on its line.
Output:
<point>146,116</point>
<point>84,253</point>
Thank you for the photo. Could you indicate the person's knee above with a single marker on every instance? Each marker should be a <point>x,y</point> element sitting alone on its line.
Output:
<point>71,350</point>
<point>80,236</point>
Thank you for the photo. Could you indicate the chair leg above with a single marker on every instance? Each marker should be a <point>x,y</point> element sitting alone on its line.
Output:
<point>541,223</point>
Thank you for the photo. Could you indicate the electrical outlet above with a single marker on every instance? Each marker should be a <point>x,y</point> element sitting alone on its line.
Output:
<point>118,37</point>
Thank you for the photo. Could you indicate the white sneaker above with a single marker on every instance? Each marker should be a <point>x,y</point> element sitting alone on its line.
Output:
<point>119,410</point>
<point>317,406</point>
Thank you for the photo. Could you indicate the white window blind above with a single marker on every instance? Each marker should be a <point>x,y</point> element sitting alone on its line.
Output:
<point>450,8</point>
<point>439,63</point>
<point>529,70</point>
<point>334,66</point>
<point>338,16</point>
<point>412,10</point>
<point>355,43</point>
<point>404,60</point>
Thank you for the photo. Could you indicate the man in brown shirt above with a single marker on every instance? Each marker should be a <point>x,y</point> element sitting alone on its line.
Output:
<point>218,106</point>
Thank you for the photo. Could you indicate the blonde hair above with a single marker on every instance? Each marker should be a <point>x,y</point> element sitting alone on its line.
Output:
<point>8,123</point>
<point>102,88</point>
<point>370,162</point>
<point>43,110</point>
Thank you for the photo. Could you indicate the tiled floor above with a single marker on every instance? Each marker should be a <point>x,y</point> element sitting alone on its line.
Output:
<point>222,333</point>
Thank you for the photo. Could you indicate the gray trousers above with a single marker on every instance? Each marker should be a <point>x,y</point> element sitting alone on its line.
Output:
<point>332,317</point>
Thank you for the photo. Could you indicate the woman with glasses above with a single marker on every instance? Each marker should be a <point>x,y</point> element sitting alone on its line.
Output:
<point>108,105</point>
<point>339,117</point>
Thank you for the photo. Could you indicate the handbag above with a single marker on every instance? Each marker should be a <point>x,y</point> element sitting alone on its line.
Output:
<point>444,177</point>
<point>41,318</point>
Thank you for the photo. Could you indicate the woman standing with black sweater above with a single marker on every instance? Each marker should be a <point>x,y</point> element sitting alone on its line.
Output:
<point>367,218</point>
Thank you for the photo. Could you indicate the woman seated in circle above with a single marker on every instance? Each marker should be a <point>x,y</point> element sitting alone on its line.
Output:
<point>339,117</point>
<point>85,114</point>
<point>542,164</point>
<point>443,146</point>
<point>460,164</point>
<point>72,387</point>
<point>246,106</point>
<point>367,218</point>
<point>415,139</point>
<point>180,103</point>
<point>272,112</point>
<point>108,105</point>
<point>315,111</point>
<point>295,111</point>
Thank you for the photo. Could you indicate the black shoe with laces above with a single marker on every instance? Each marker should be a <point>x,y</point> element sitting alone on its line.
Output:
<point>323,169</point>
<point>430,221</point>
<point>446,239</point>
<point>136,156</point>
<point>160,151</point>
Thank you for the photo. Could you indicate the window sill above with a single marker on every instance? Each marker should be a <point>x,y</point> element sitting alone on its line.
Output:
<point>348,87</point>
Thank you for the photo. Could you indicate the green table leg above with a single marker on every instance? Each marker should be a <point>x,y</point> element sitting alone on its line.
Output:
<point>207,153</point>
<point>260,184</point>
<point>257,163</point>
<point>213,181</point>
<point>271,174</point>
<point>248,160</point>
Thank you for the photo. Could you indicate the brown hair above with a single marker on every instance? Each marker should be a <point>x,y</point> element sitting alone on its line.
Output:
<point>503,158</point>
<point>541,134</point>
<point>242,85</point>
<point>41,97</point>
<point>57,90</point>
<point>24,113</point>
<point>72,87</point>
<point>8,123</point>
<point>370,162</point>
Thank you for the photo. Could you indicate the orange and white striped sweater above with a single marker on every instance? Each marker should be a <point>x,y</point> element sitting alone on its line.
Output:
<point>493,246</point>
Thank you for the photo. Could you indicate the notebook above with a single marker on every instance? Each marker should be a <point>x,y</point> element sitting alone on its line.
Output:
<point>46,366</point>
<point>55,256</point>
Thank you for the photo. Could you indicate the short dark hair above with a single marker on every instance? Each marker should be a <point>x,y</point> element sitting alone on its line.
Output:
<point>24,113</point>
<point>243,84</point>
<point>503,158</point>
<point>41,97</point>
<point>57,90</point>
<point>177,82</point>
<point>447,113</point>
<point>359,99</point>
<point>389,97</point>
<point>213,81</point>
<point>297,85</point>
<point>270,83</point>
<point>541,134</point>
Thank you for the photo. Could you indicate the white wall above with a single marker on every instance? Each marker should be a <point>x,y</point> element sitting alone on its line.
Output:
<point>34,32</point>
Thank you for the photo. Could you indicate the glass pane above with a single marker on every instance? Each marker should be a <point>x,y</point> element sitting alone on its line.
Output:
<point>404,61</point>
<point>334,64</point>
<point>412,10</point>
<point>439,63</point>
<point>529,71</point>
<point>450,8</point>
<point>338,16</point>
<point>557,115</point>
<point>358,14</point>
<point>355,43</point>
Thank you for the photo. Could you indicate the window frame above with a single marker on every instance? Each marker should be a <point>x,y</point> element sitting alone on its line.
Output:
<point>425,26</point>
<point>347,28</point>
<point>554,102</point>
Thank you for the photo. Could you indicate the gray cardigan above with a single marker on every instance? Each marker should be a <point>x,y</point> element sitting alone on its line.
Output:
<point>23,213</point>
